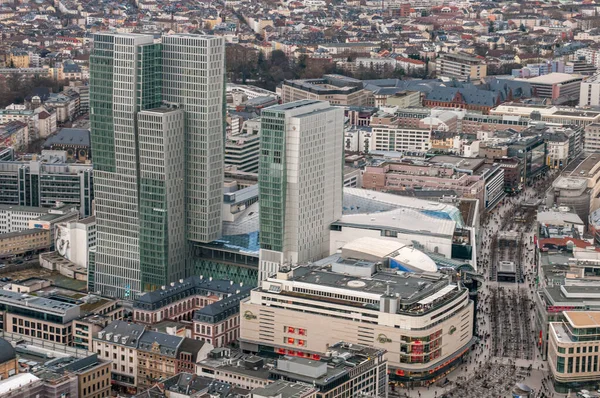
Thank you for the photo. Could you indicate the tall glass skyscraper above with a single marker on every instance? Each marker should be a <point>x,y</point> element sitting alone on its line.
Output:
<point>156,136</point>
<point>300,182</point>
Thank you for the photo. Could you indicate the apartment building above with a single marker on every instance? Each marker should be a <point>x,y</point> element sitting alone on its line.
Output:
<point>161,356</point>
<point>460,67</point>
<point>337,89</point>
<point>141,357</point>
<point>573,350</point>
<point>117,343</point>
<point>397,313</point>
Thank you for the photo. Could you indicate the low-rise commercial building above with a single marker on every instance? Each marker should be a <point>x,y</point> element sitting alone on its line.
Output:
<point>591,139</point>
<point>47,319</point>
<point>578,187</point>
<point>179,300</point>
<point>346,370</point>
<point>437,228</point>
<point>563,87</point>
<point>27,242</point>
<point>590,91</point>
<point>424,321</point>
<point>219,323</point>
<point>469,177</point>
<point>141,357</point>
<point>548,113</point>
<point>337,89</point>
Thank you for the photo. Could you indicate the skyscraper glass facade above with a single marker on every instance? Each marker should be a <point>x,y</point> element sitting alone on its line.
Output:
<point>156,122</point>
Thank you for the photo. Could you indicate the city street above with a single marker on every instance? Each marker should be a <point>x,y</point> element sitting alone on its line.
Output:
<point>506,353</point>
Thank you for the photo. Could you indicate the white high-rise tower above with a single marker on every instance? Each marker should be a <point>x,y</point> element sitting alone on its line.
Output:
<point>300,181</point>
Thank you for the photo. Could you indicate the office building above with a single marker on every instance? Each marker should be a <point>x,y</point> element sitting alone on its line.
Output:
<point>573,351</point>
<point>158,168</point>
<point>55,374</point>
<point>201,96</point>
<point>461,67</point>
<point>37,183</point>
<point>219,323</point>
<point>300,181</point>
<point>75,142</point>
<point>242,151</point>
<point>16,218</point>
<point>337,89</point>
<point>20,218</point>
<point>560,87</point>
<point>398,313</point>
<point>162,193</point>
<point>47,319</point>
<point>590,92</point>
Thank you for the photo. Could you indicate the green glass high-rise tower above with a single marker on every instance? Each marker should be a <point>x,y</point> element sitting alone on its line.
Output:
<point>156,131</point>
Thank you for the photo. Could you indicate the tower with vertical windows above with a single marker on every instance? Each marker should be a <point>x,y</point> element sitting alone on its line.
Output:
<point>156,132</point>
<point>300,181</point>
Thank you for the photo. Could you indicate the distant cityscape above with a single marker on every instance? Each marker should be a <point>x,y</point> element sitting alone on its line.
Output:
<point>301,199</point>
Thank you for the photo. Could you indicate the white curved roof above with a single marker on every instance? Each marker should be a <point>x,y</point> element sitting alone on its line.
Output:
<point>414,258</point>
<point>374,249</point>
<point>379,248</point>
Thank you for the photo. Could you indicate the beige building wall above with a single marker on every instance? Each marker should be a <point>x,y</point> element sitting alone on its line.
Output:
<point>357,98</point>
<point>269,324</point>
<point>32,327</point>
<point>95,382</point>
<point>573,361</point>
<point>124,360</point>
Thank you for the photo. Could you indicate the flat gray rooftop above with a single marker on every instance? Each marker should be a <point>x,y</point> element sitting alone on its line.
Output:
<point>407,286</point>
